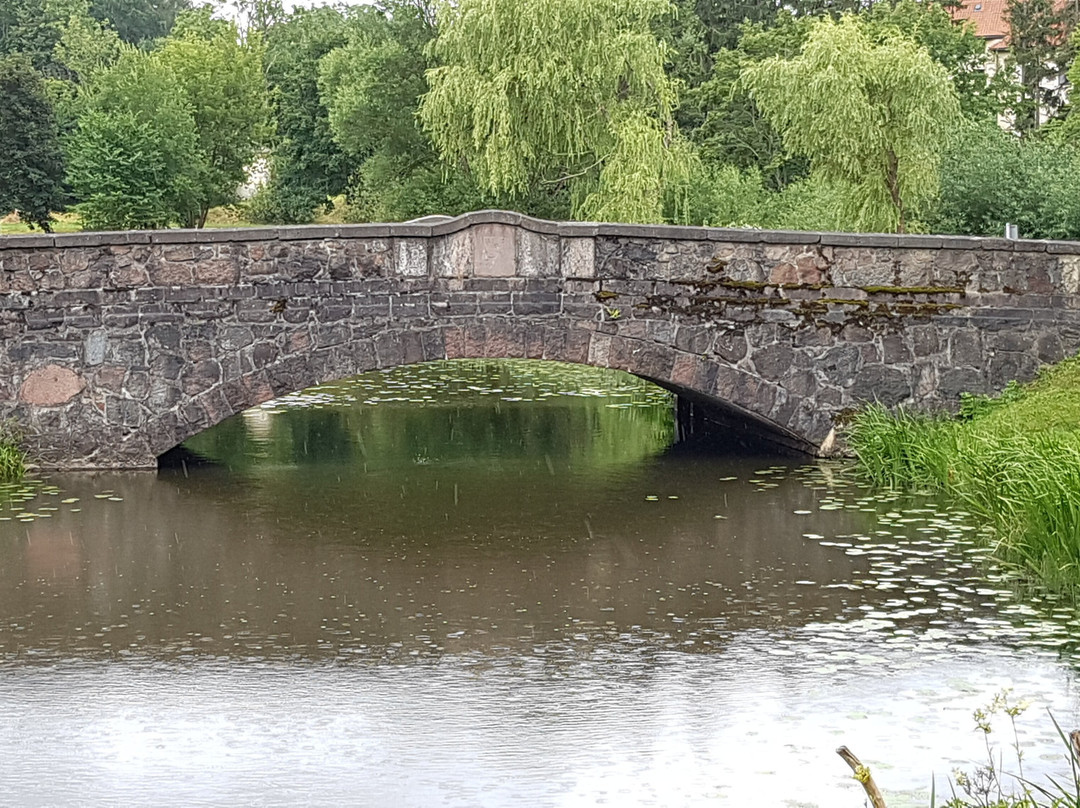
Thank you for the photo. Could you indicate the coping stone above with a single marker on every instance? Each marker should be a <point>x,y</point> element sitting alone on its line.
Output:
<point>859,240</point>
<point>736,234</point>
<point>792,237</point>
<point>308,232</point>
<point>28,242</point>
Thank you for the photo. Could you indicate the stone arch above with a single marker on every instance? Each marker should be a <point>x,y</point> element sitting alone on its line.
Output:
<point>750,403</point>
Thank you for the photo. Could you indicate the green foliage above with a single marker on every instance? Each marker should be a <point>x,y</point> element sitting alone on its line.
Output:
<point>33,27</point>
<point>724,196</point>
<point>872,116</point>
<point>1015,462</point>
<point>12,456</point>
<point>1039,49</point>
<point>222,81</point>
<point>32,169</point>
<point>134,160</point>
<point>990,177</point>
<point>561,93</point>
<point>983,95</point>
<point>139,22</point>
<point>722,119</point>
<point>308,167</point>
<point>86,47</point>
<point>371,88</point>
<point>976,405</point>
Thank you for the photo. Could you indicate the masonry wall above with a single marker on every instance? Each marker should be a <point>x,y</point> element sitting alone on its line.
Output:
<point>117,346</point>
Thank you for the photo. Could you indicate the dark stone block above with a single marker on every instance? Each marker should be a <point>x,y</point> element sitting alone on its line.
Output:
<point>953,382</point>
<point>839,365</point>
<point>730,345</point>
<point>1048,348</point>
<point>965,349</point>
<point>774,361</point>
<point>887,385</point>
<point>1008,366</point>
<point>527,303</point>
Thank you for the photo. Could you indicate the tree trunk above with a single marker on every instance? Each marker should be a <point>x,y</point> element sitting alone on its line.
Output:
<point>893,178</point>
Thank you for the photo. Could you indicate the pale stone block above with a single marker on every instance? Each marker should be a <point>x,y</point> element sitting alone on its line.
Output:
<point>494,251</point>
<point>600,350</point>
<point>452,255</point>
<point>537,255</point>
<point>578,258</point>
<point>51,386</point>
<point>94,348</point>
<point>1070,274</point>
<point>412,257</point>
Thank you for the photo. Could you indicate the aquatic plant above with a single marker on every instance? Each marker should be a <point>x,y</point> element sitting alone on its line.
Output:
<point>1013,460</point>
<point>991,785</point>
<point>12,457</point>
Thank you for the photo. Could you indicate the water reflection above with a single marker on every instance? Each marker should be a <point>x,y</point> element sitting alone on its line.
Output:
<point>510,593</point>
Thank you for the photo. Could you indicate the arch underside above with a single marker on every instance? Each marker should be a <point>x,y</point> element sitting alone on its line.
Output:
<point>740,400</point>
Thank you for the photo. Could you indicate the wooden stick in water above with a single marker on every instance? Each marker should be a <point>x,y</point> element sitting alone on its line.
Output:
<point>862,774</point>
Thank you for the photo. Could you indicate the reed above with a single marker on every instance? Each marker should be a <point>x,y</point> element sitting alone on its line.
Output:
<point>12,457</point>
<point>1014,460</point>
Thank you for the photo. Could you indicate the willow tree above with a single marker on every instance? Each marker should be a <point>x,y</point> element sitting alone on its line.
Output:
<point>872,114</point>
<point>558,93</point>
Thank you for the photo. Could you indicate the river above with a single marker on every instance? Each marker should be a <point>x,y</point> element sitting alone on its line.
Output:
<point>492,584</point>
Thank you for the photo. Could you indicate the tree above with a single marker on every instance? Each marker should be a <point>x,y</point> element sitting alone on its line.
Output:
<point>371,88</point>
<point>308,167</point>
<point>223,83</point>
<point>133,159</point>
<point>86,47</point>
<point>982,95</point>
<point>255,18</point>
<point>139,22</point>
<point>558,93</point>
<point>1040,52</point>
<point>32,168</point>
<point>33,27</point>
<point>990,177</point>
<point>722,119</point>
<point>872,117</point>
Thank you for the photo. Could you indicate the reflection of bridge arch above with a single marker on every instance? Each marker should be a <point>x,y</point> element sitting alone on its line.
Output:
<point>493,338</point>
<point>117,346</point>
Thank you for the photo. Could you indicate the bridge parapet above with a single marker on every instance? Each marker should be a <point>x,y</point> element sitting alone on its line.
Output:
<point>117,346</point>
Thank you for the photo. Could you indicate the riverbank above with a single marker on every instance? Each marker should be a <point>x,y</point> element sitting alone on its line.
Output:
<point>1013,460</point>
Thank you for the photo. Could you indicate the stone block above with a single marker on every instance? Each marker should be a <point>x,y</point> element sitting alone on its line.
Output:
<point>452,255</point>
<point>494,251</point>
<point>537,254</point>
<point>50,386</point>
<point>411,257</point>
<point>578,258</point>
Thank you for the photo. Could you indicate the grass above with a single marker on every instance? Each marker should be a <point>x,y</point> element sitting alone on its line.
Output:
<point>1014,460</point>
<point>12,457</point>
<point>228,216</point>
<point>62,223</point>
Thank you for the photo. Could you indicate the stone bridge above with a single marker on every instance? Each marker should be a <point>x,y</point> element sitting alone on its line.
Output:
<point>118,346</point>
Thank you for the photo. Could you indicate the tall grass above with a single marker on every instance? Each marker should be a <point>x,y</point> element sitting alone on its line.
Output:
<point>1013,460</point>
<point>12,457</point>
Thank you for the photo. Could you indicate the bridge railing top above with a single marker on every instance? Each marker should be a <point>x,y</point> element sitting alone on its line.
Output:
<point>434,226</point>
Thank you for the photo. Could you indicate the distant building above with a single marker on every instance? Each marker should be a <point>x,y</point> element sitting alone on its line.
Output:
<point>991,21</point>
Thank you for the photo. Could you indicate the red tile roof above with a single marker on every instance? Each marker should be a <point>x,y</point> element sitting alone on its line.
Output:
<point>991,20</point>
<point>988,16</point>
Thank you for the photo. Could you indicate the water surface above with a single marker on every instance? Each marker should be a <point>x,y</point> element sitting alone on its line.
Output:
<point>497,584</point>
